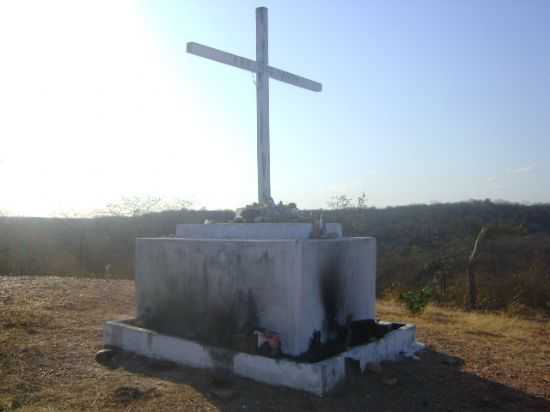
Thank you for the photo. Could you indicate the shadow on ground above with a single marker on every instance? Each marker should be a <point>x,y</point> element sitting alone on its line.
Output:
<point>436,382</point>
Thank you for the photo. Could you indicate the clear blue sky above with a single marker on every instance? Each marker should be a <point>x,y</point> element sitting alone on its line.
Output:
<point>422,101</point>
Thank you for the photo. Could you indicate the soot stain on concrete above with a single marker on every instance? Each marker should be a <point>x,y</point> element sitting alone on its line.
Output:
<point>330,298</point>
<point>219,326</point>
<point>356,333</point>
<point>221,358</point>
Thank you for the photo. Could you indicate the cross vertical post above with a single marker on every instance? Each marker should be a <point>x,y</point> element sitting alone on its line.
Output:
<point>263,72</point>
<point>262,107</point>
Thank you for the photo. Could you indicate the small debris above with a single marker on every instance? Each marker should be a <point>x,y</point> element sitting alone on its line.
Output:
<point>127,394</point>
<point>389,381</point>
<point>353,369</point>
<point>224,394</point>
<point>105,357</point>
<point>449,360</point>
<point>487,402</point>
<point>222,389</point>
<point>9,403</point>
<point>160,365</point>
<point>269,342</point>
<point>374,367</point>
<point>410,355</point>
<point>245,343</point>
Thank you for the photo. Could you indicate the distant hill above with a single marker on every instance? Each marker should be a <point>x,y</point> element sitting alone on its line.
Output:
<point>418,245</point>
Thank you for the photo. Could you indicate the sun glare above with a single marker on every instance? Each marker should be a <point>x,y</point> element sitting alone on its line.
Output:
<point>94,109</point>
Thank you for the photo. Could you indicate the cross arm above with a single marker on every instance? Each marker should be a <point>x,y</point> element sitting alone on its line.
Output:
<point>222,57</point>
<point>250,65</point>
<point>293,79</point>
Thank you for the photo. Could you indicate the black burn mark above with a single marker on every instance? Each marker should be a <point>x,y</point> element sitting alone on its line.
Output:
<point>330,298</point>
<point>222,358</point>
<point>190,317</point>
<point>355,333</point>
<point>264,258</point>
<point>339,337</point>
<point>190,311</point>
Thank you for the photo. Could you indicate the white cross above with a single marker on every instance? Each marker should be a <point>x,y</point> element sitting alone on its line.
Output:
<point>263,72</point>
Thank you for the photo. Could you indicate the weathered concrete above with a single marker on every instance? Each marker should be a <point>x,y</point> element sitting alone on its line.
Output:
<point>203,293</point>
<point>254,231</point>
<point>317,378</point>
<point>212,289</point>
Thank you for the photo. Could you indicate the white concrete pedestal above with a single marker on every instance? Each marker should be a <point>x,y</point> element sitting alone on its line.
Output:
<point>221,279</point>
<point>318,378</point>
<point>217,282</point>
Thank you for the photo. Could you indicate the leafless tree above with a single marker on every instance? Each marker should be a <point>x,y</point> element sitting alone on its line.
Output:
<point>141,205</point>
<point>472,284</point>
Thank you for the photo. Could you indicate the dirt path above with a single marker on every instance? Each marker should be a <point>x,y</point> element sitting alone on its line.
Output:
<point>50,329</point>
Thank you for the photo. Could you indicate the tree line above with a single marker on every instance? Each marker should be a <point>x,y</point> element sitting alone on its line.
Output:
<point>418,246</point>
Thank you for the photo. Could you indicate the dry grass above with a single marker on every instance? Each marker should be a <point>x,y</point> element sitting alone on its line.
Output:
<point>50,329</point>
<point>496,346</point>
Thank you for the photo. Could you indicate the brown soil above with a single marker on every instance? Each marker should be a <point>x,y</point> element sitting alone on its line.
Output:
<point>51,328</point>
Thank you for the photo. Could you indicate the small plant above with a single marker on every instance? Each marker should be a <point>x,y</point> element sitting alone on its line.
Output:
<point>416,300</point>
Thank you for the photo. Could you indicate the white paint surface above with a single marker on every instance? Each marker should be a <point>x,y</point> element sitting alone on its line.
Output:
<point>254,231</point>
<point>192,281</point>
<point>262,108</point>
<point>317,378</point>
<point>240,62</point>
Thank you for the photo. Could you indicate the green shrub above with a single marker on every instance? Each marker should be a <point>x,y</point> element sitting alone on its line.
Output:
<point>416,300</point>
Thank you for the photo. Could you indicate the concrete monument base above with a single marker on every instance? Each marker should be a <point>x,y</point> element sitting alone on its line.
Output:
<point>281,303</point>
<point>318,378</point>
<point>214,281</point>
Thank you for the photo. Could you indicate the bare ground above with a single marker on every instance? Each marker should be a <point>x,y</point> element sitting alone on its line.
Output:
<point>50,329</point>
